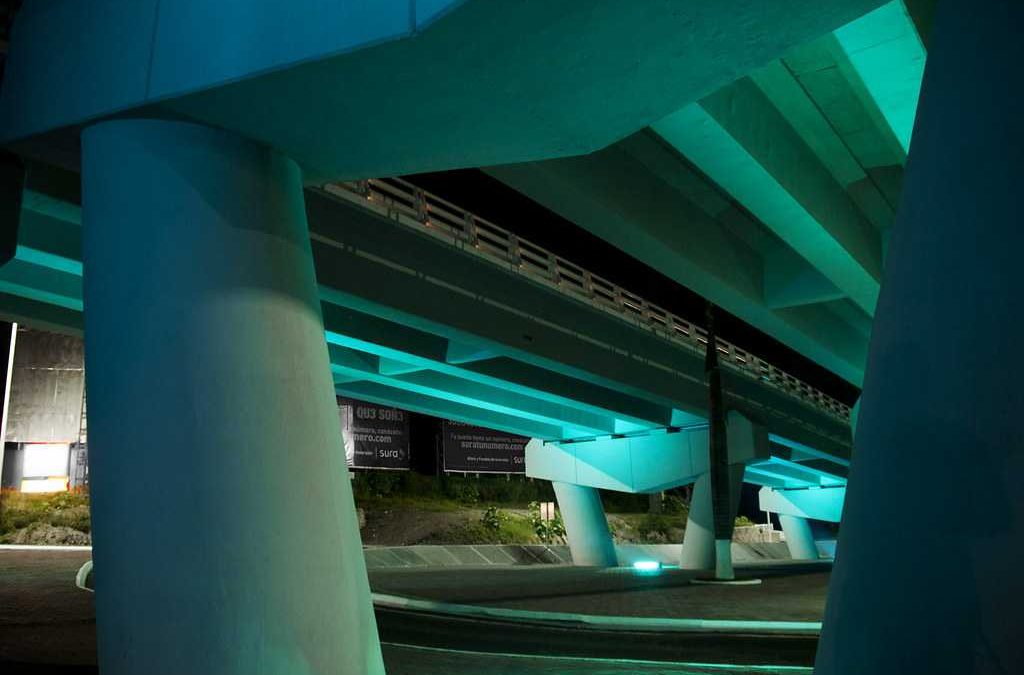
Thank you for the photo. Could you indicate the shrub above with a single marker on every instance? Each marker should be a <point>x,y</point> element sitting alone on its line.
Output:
<point>548,531</point>
<point>493,518</point>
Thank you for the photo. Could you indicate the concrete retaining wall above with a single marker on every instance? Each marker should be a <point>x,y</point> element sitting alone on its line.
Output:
<point>513,554</point>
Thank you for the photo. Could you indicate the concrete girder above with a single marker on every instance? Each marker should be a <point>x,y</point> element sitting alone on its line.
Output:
<point>745,145</point>
<point>887,53</point>
<point>320,71</point>
<point>633,377</point>
<point>616,195</point>
<point>816,90</point>
<point>355,364</point>
<point>438,407</point>
<point>646,462</point>
<point>372,265</point>
<point>364,332</point>
<point>821,503</point>
<point>796,474</point>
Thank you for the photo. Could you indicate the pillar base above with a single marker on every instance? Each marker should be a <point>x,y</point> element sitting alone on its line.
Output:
<point>225,531</point>
<point>586,528</point>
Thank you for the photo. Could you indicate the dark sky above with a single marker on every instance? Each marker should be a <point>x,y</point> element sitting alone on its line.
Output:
<point>489,198</point>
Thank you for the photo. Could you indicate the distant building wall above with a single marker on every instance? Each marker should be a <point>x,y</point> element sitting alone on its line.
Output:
<point>46,388</point>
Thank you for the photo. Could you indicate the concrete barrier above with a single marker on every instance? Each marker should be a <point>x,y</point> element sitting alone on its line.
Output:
<point>557,554</point>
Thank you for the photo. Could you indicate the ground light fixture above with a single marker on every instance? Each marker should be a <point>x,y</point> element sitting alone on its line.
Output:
<point>650,566</point>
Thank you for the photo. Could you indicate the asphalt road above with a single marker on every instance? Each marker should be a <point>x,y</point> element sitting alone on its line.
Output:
<point>47,625</point>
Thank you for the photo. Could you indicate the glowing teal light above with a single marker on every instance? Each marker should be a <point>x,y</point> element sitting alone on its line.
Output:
<point>647,566</point>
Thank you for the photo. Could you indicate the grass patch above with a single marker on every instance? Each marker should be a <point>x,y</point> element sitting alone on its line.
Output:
<point>61,509</point>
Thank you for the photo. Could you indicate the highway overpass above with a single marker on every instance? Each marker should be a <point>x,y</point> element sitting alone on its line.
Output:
<point>758,153</point>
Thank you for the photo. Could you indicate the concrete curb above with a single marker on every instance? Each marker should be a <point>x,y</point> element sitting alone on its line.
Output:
<point>584,621</point>
<point>626,623</point>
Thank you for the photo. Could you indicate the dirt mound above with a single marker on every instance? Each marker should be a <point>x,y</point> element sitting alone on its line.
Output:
<point>51,535</point>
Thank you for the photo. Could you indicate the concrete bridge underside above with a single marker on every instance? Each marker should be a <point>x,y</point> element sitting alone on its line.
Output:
<point>414,322</point>
<point>193,159</point>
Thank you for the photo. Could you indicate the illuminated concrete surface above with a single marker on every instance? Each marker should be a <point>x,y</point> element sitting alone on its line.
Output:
<point>698,552</point>
<point>443,66</point>
<point>586,527</point>
<point>798,537</point>
<point>940,411</point>
<point>228,367</point>
<point>774,195</point>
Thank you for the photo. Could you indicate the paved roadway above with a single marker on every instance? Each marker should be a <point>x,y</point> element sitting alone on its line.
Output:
<point>47,625</point>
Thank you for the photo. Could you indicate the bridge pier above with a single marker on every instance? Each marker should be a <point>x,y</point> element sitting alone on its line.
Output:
<point>799,537</point>
<point>586,528</point>
<point>919,587</point>
<point>698,552</point>
<point>225,534</point>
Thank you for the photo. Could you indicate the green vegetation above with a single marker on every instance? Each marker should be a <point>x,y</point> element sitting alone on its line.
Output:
<point>493,527</point>
<point>409,487</point>
<point>19,511</point>
<point>548,531</point>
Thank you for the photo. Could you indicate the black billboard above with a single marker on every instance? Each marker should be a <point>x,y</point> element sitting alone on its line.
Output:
<point>473,449</point>
<point>375,436</point>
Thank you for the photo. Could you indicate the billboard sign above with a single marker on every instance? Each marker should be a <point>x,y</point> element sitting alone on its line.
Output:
<point>375,436</point>
<point>472,449</point>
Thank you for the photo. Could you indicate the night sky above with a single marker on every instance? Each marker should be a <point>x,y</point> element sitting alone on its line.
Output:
<point>489,198</point>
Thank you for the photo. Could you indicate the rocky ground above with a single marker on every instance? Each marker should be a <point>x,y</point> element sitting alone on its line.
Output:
<point>63,519</point>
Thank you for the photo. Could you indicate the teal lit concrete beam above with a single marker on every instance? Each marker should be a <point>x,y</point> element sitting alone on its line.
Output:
<point>795,474</point>
<point>816,503</point>
<point>363,332</point>
<point>815,472</point>
<point>438,407</point>
<point>476,70</point>
<point>364,366</point>
<point>645,462</point>
<point>640,196</point>
<point>648,463</point>
<point>885,49</point>
<point>801,451</point>
<point>745,145</point>
<point>393,366</point>
<point>16,307</point>
<point>44,277</point>
<point>757,476</point>
<point>821,96</point>
<point>788,282</point>
<point>464,352</point>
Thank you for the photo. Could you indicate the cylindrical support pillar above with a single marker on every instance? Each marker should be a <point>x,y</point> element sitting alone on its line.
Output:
<point>941,407</point>
<point>799,537</point>
<point>225,532</point>
<point>586,528</point>
<point>700,551</point>
<point>699,538</point>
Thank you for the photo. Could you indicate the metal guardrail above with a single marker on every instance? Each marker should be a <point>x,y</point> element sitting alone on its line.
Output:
<point>409,205</point>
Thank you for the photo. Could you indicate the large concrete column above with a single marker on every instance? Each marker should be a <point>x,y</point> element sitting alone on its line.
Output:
<point>586,527</point>
<point>799,537</point>
<point>225,533</point>
<point>698,552</point>
<point>927,578</point>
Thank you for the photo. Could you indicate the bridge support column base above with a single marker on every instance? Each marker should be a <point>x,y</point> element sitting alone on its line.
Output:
<point>941,408</point>
<point>586,528</point>
<point>799,538</point>
<point>699,548</point>
<point>225,532</point>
